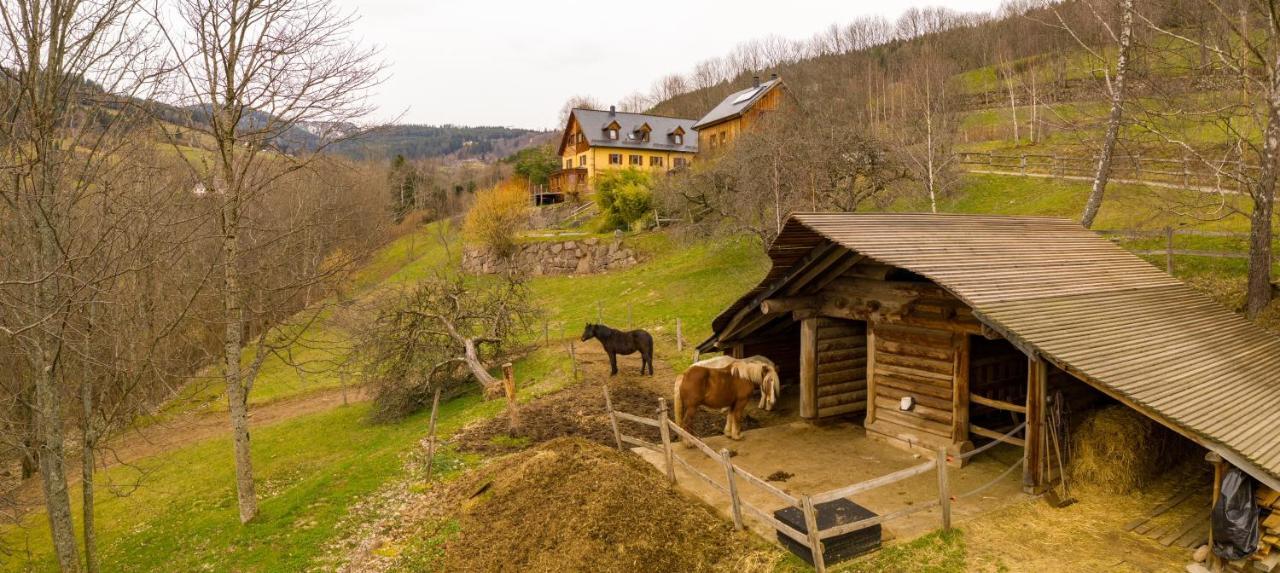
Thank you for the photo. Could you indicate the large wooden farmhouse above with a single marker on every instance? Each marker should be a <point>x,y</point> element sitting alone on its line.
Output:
<point>595,141</point>
<point>933,330</point>
<point>737,113</point>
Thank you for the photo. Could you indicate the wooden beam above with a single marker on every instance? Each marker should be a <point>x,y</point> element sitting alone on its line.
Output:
<point>1037,375</point>
<point>960,390</point>
<point>782,305</point>
<point>997,404</point>
<point>809,368</point>
<point>981,431</point>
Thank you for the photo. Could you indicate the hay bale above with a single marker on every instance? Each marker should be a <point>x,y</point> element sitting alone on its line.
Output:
<point>1118,451</point>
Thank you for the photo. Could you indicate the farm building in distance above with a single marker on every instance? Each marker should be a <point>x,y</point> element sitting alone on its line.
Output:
<point>936,330</point>
<point>595,141</point>
<point>737,113</point>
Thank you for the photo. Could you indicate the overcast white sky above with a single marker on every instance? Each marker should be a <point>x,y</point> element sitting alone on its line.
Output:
<point>515,62</point>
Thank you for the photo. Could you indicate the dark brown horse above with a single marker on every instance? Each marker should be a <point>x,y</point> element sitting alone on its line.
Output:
<point>715,388</point>
<point>617,342</point>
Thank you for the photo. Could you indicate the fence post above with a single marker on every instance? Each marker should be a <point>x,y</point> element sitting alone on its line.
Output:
<point>733,489</point>
<point>431,433</point>
<point>944,489</point>
<point>665,430</point>
<point>811,528</point>
<point>509,385</point>
<point>679,336</point>
<point>1168,257</point>
<point>613,420</point>
<point>1022,163</point>
<point>573,357</point>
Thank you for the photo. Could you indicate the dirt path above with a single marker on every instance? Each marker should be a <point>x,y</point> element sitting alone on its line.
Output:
<point>137,444</point>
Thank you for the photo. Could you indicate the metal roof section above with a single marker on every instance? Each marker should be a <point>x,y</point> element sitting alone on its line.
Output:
<point>1085,304</point>
<point>735,104</point>
<point>594,124</point>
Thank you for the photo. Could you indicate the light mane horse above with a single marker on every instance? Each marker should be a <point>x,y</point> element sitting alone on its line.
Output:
<point>758,369</point>
<point>719,392</point>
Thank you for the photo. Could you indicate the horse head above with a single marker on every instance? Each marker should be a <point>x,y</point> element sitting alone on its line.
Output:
<point>589,332</point>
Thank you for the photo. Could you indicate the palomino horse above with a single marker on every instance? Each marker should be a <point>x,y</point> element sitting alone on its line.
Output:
<point>715,388</point>
<point>758,369</point>
<point>617,342</point>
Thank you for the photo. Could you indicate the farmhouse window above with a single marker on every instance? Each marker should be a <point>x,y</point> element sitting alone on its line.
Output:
<point>636,160</point>
<point>678,163</point>
<point>613,134</point>
<point>655,161</point>
<point>615,159</point>
<point>568,164</point>
<point>582,160</point>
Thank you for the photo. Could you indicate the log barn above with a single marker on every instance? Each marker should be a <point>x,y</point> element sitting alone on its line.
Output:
<point>936,331</point>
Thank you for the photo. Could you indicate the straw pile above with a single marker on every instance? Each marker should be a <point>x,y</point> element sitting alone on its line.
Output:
<point>1118,451</point>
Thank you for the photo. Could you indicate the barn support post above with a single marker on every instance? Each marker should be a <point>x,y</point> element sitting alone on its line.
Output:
<point>665,431</point>
<point>1037,373</point>
<point>815,539</point>
<point>960,395</point>
<point>809,368</point>
<point>613,420</point>
<point>1219,470</point>
<point>732,484</point>
<point>871,375</point>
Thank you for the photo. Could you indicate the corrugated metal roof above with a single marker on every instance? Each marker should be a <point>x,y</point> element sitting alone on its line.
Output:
<point>735,104</point>
<point>594,121</point>
<point>1083,303</point>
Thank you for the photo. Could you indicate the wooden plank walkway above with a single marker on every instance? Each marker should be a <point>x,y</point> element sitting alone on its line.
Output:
<point>1191,531</point>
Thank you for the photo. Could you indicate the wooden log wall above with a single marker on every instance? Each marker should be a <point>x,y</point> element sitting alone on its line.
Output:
<point>917,362</point>
<point>841,367</point>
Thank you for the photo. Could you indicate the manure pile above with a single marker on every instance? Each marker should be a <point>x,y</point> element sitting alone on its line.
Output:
<point>578,412</point>
<point>571,505</point>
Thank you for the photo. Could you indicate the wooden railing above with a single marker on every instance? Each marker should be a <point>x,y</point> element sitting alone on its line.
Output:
<point>812,538</point>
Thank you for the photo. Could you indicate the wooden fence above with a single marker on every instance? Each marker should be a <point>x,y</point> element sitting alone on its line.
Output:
<point>1186,173</point>
<point>812,538</point>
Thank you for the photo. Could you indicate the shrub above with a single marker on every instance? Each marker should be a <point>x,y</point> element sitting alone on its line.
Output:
<point>625,197</point>
<point>498,216</point>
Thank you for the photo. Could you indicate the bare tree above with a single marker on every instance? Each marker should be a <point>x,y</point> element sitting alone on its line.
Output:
<point>1246,62</point>
<point>441,332</point>
<point>65,67</point>
<point>256,71</point>
<point>1116,89</point>
<point>925,129</point>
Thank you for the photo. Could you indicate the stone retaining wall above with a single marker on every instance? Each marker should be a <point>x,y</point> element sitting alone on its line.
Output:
<point>575,257</point>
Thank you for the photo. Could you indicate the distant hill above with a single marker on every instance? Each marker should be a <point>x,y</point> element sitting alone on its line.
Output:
<point>441,141</point>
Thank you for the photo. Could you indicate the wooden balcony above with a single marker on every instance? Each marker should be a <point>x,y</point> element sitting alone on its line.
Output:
<point>569,181</point>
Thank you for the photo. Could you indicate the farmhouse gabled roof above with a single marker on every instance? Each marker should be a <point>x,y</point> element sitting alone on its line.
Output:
<point>1084,304</point>
<point>737,103</point>
<point>594,125</point>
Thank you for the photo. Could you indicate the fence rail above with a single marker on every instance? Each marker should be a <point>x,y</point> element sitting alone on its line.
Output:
<point>1187,173</point>
<point>813,537</point>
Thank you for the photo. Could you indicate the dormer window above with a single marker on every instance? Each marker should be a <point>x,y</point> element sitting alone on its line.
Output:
<point>679,139</point>
<point>611,130</point>
<point>642,133</point>
<point>677,135</point>
<point>613,134</point>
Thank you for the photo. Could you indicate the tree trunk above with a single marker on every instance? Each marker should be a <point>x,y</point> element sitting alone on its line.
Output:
<point>89,441</point>
<point>1113,121</point>
<point>53,472</point>
<point>929,151</point>
<point>237,391</point>
<point>1258,292</point>
<point>1013,105</point>
<point>30,445</point>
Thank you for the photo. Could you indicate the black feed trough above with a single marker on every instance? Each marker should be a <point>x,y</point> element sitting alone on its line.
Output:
<point>831,514</point>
